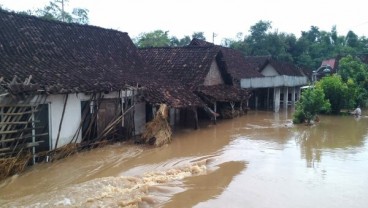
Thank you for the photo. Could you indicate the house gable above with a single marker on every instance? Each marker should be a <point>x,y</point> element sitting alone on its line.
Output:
<point>269,71</point>
<point>213,76</point>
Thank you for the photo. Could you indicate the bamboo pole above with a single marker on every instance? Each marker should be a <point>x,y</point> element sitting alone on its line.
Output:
<point>61,120</point>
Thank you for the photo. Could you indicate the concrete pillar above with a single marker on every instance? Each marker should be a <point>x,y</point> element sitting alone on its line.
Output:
<point>276,99</point>
<point>286,97</point>
<point>293,91</point>
<point>298,93</point>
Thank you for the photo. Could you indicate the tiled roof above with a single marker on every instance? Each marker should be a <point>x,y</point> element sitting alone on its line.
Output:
<point>331,62</point>
<point>237,65</point>
<point>184,65</point>
<point>234,60</point>
<point>223,93</point>
<point>65,57</point>
<point>256,62</point>
<point>199,42</point>
<point>176,96</point>
<point>283,68</point>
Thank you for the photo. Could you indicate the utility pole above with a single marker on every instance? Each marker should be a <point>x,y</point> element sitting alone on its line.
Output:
<point>62,11</point>
<point>213,37</point>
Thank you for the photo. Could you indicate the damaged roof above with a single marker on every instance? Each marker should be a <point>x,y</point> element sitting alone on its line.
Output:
<point>223,93</point>
<point>176,96</point>
<point>62,57</point>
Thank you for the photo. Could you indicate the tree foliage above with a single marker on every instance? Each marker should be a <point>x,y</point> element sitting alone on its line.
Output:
<point>355,73</point>
<point>309,50</point>
<point>55,11</point>
<point>199,35</point>
<point>157,38</point>
<point>336,91</point>
<point>311,103</point>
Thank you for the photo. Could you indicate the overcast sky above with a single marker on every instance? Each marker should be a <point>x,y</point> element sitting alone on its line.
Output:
<point>223,17</point>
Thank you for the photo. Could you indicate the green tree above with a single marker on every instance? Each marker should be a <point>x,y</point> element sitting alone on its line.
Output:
<point>157,38</point>
<point>55,11</point>
<point>257,38</point>
<point>353,67</point>
<point>353,70</point>
<point>352,39</point>
<point>311,103</point>
<point>174,41</point>
<point>336,91</point>
<point>199,35</point>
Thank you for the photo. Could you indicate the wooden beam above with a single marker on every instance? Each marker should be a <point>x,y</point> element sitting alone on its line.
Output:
<point>23,137</point>
<point>17,114</point>
<point>16,122</point>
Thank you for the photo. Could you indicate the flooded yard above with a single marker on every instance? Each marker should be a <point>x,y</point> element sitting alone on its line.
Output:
<point>258,160</point>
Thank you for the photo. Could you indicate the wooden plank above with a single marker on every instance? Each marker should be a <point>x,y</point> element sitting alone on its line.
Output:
<point>23,137</point>
<point>15,131</point>
<point>5,149</point>
<point>26,145</point>
<point>18,114</point>
<point>16,122</point>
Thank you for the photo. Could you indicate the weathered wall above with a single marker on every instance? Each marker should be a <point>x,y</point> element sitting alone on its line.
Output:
<point>214,75</point>
<point>73,114</point>
<point>269,71</point>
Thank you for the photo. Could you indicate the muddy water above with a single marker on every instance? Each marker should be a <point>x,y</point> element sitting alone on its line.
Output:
<point>258,160</point>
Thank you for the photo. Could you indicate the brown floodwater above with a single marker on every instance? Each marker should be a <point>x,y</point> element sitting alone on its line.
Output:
<point>258,160</point>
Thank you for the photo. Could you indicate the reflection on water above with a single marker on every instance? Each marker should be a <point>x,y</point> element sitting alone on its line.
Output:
<point>332,135</point>
<point>258,160</point>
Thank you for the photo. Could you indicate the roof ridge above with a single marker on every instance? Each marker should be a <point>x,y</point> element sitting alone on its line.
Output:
<point>36,18</point>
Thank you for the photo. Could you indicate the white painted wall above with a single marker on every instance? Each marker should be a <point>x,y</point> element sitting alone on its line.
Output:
<point>214,75</point>
<point>276,81</point>
<point>71,121</point>
<point>72,116</point>
<point>140,118</point>
<point>269,71</point>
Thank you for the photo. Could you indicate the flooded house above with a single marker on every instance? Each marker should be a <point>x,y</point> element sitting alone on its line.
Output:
<point>64,84</point>
<point>279,85</point>
<point>191,72</point>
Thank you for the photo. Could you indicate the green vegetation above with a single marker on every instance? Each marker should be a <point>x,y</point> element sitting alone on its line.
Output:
<point>310,104</point>
<point>159,38</point>
<point>336,92</point>
<point>55,10</point>
<point>345,90</point>
<point>308,50</point>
